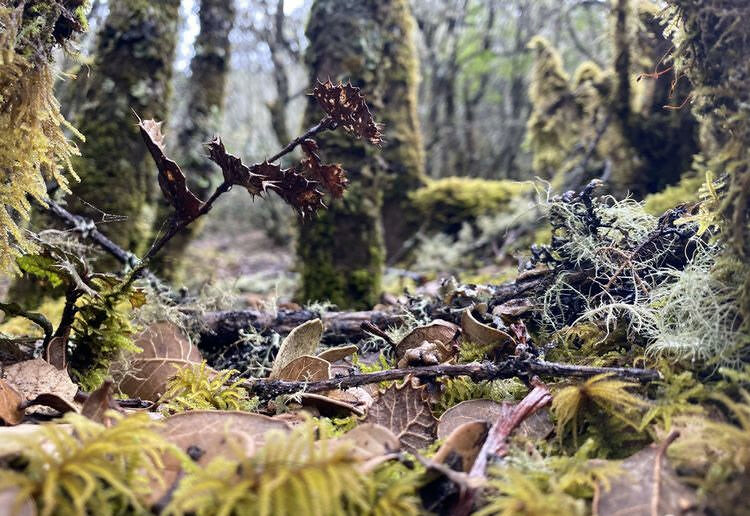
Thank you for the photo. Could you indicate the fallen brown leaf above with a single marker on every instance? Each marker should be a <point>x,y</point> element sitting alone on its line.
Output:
<point>536,426</point>
<point>648,487</point>
<point>36,377</point>
<point>339,353</point>
<point>444,332</point>
<point>302,340</point>
<point>306,368</point>
<point>461,447</point>
<point>165,349</point>
<point>485,335</point>
<point>10,404</point>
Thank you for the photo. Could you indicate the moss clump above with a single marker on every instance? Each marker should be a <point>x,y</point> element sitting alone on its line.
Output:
<point>33,147</point>
<point>450,202</point>
<point>198,388</point>
<point>92,469</point>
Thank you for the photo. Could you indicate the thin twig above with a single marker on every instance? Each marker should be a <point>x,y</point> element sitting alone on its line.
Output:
<point>512,367</point>
<point>326,124</point>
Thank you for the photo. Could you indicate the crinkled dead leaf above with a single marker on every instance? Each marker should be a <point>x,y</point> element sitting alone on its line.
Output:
<point>171,179</point>
<point>648,486</point>
<point>339,353</point>
<point>536,426</point>
<point>485,335</point>
<point>306,368</point>
<point>10,404</point>
<point>165,349</point>
<point>43,384</point>
<point>302,340</point>
<point>462,446</point>
<point>438,330</point>
<point>405,411</point>
<point>346,105</point>
<point>427,354</point>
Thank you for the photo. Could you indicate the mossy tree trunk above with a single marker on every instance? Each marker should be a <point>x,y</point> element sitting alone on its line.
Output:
<point>402,151</point>
<point>131,73</point>
<point>341,253</point>
<point>206,91</point>
<point>713,50</point>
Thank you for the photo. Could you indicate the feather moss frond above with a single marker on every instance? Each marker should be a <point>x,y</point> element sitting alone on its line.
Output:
<point>571,403</point>
<point>291,474</point>
<point>87,468</point>
<point>197,387</point>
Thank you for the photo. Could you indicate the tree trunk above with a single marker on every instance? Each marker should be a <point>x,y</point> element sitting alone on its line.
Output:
<point>131,73</point>
<point>402,150</point>
<point>341,253</point>
<point>206,92</point>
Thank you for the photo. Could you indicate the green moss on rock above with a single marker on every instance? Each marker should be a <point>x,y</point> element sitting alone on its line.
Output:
<point>448,203</point>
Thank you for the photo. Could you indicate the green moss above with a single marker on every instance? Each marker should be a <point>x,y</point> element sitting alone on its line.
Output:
<point>448,203</point>
<point>684,191</point>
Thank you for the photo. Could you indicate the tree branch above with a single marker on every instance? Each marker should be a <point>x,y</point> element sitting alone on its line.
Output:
<point>326,124</point>
<point>512,367</point>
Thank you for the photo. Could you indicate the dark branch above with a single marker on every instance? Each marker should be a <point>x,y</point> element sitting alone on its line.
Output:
<point>326,124</point>
<point>513,367</point>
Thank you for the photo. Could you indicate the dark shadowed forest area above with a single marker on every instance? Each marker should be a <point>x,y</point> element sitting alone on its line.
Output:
<point>375,257</point>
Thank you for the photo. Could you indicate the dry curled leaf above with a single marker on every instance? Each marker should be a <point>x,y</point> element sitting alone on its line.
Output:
<point>462,445</point>
<point>165,349</point>
<point>439,331</point>
<point>372,444</point>
<point>302,340</point>
<point>647,487</point>
<point>171,179</point>
<point>406,412</point>
<point>10,404</point>
<point>43,384</point>
<point>339,353</point>
<point>306,368</point>
<point>536,426</point>
<point>329,406</point>
<point>56,353</point>
<point>346,105</point>
<point>485,335</point>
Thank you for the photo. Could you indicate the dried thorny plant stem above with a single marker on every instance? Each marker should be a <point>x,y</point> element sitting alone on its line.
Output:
<point>510,368</point>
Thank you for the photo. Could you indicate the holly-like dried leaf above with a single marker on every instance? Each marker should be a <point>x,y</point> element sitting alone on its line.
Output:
<point>41,382</point>
<point>647,487</point>
<point>438,330</point>
<point>302,340</point>
<point>165,349</point>
<point>484,335</point>
<point>346,105</point>
<point>171,179</point>
<point>536,426</point>
<point>298,191</point>
<point>10,404</point>
<point>306,368</point>
<point>235,172</point>
<point>462,445</point>
<point>331,176</point>
<point>339,353</point>
<point>405,411</point>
